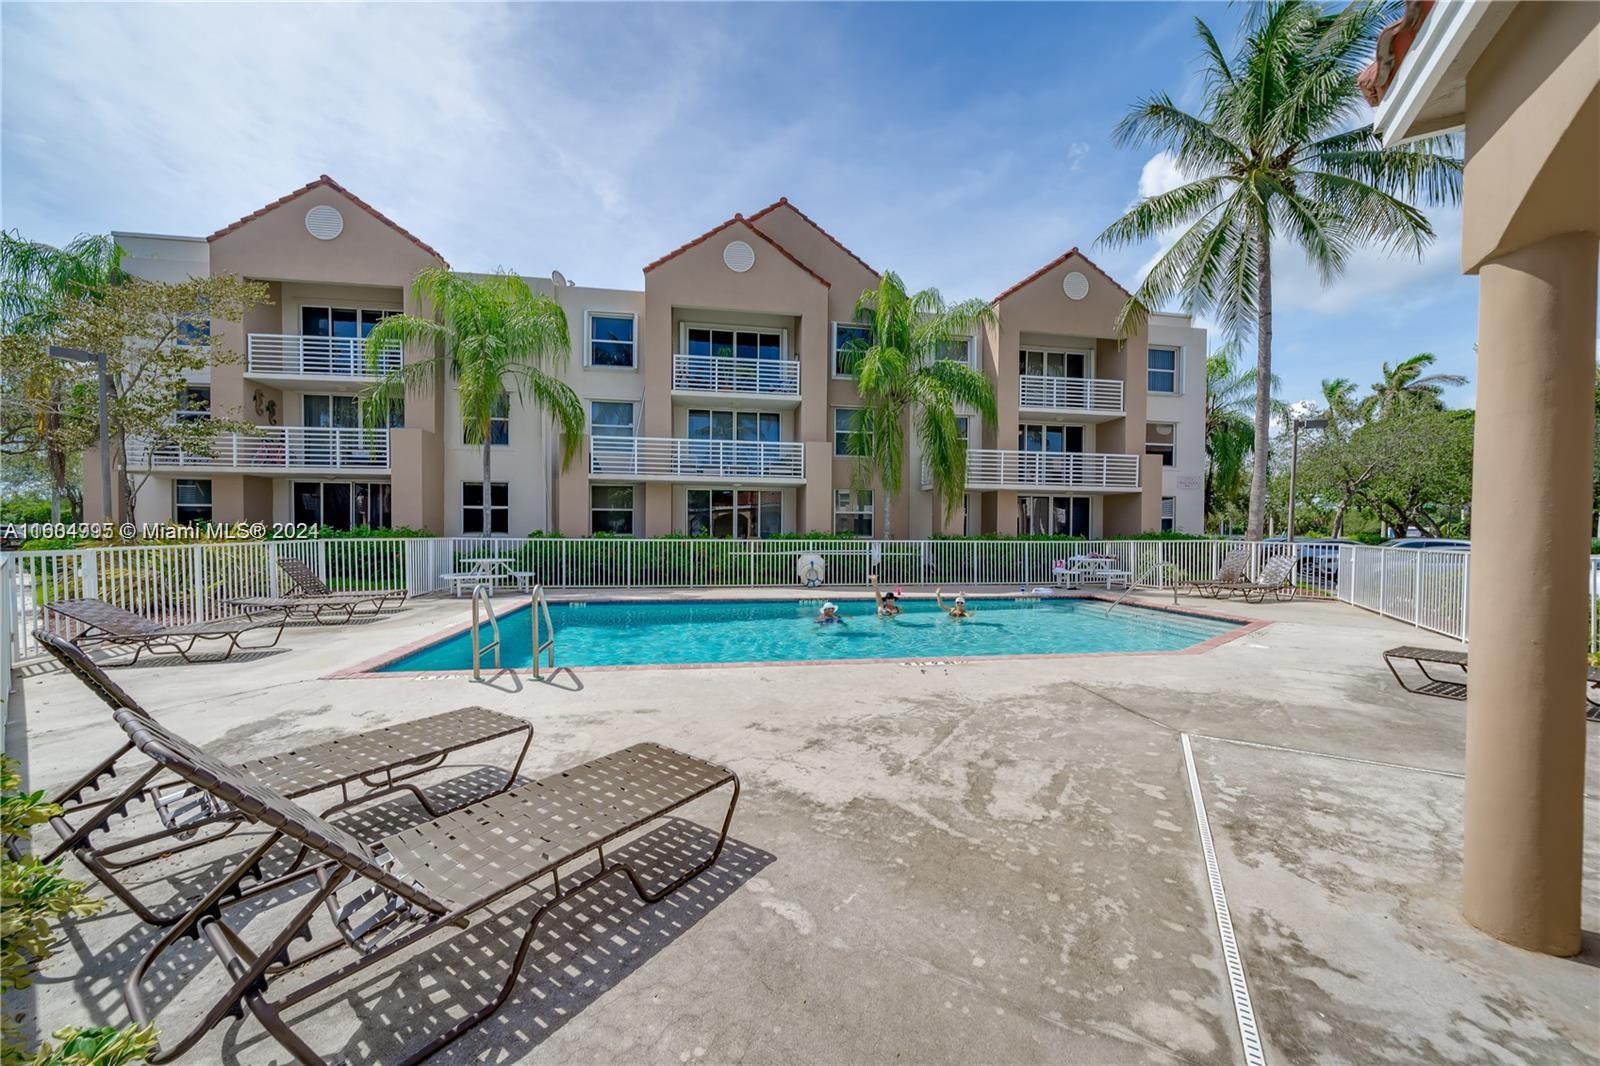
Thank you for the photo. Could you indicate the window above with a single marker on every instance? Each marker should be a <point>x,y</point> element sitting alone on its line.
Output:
<point>958,349</point>
<point>196,403</point>
<point>1057,516</point>
<point>846,338</point>
<point>1169,513</point>
<point>852,511</point>
<point>1158,440</point>
<point>742,513</point>
<point>193,331</point>
<point>1163,370</point>
<point>844,423</point>
<point>191,501</point>
<point>1046,437</point>
<point>733,343</point>
<point>611,509</point>
<point>396,415</point>
<point>1053,364</point>
<point>330,412</point>
<point>610,419</point>
<point>472,507</point>
<point>611,340</point>
<point>499,423</point>
<point>342,504</point>
<point>734,425</point>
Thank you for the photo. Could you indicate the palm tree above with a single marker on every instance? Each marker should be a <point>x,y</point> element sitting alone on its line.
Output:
<point>1271,156</point>
<point>1404,387</point>
<point>903,374</point>
<point>1340,405</point>
<point>1230,394</point>
<point>493,334</point>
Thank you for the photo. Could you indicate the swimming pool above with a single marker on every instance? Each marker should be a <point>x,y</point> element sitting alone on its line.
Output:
<point>657,633</point>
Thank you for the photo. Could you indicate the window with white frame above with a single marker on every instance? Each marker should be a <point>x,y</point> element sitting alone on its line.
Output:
<point>742,513</point>
<point>196,403</point>
<point>610,418</point>
<point>733,343</point>
<point>191,501</point>
<point>1169,513</point>
<point>1053,363</point>
<point>848,338</point>
<point>611,509</point>
<point>957,349</point>
<point>472,507</point>
<point>611,340</point>
<point>852,511</point>
<point>844,423</point>
<point>499,423</point>
<point>1163,372</point>
<point>1159,438</point>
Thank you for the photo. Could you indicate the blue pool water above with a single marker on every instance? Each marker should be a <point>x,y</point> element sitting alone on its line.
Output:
<point>744,631</point>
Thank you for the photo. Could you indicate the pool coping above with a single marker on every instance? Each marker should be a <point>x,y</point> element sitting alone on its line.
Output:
<point>372,668</point>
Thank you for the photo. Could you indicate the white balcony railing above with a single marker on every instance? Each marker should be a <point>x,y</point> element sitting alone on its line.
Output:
<point>678,459</point>
<point>995,468</point>
<point>1093,395</point>
<point>718,373</point>
<point>276,448</point>
<point>293,356</point>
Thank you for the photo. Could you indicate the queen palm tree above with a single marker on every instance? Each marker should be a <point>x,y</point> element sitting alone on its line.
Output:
<point>492,335</point>
<point>903,375</point>
<point>1272,155</point>
<point>1404,387</point>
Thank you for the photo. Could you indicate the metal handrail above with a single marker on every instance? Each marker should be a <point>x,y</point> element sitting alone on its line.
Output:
<point>1139,580</point>
<point>481,593</point>
<point>539,608</point>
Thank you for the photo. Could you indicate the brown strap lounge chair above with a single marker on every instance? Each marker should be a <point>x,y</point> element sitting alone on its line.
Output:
<point>388,896</point>
<point>111,626</point>
<point>1455,688</point>
<point>363,767</point>
<point>307,585</point>
<point>1276,580</point>
<point>1230,574</point>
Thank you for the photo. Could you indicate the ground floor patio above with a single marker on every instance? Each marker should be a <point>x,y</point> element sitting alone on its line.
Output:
<point>930,862</point>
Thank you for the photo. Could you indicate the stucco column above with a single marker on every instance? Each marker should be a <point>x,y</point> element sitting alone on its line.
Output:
<point>1531,489</point>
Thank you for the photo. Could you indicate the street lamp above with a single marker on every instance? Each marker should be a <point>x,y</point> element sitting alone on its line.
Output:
<point>76,355</point>
<point>1297,424</point>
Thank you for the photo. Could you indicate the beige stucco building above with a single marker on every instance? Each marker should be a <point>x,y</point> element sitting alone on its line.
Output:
<point>716,398</point>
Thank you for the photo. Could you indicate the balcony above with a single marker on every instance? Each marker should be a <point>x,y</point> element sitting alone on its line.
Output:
<point>278,449</point>
<point>737,462</point>
<point>1089,399</point>
<point>995,468</point>
<point>317,360</point>
<point>776,381</point>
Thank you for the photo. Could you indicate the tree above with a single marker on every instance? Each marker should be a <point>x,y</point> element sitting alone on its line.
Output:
<point>1271,156</point>
<point>38,284</point>
<point>1411,468</point>
<point>493,334</point>
<point>1405,386</point>
<point>1230,393</point>
<point>904,374</point>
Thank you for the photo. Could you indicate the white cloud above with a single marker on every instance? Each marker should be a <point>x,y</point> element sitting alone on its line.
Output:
<point>1161,174</point>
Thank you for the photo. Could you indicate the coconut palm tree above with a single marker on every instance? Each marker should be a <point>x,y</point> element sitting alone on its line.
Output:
<point>1404,387</point>
<point>903,375</point>
<point>1340,405</point>
<point>1230,396</point>
<point>493,335</point>
<point>1272,156</point>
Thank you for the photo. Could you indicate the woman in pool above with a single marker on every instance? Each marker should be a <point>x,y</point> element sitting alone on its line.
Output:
<point>829,615</point>
<point>888,602</point>
<point>957,609</point>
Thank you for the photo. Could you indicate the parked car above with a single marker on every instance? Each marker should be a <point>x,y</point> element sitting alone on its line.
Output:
<point>1319,558</point>
<point>1431,544</point>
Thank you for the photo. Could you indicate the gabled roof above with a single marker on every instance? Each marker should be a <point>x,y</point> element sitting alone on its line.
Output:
<point>783,201</point>
<point>749,225</point>
<point>325,181</point>
<point>1057,261</point>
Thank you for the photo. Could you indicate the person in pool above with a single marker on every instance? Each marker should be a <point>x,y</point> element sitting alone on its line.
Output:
<point>957,609</point>
<point>888,602</point>
<point>829,615</point>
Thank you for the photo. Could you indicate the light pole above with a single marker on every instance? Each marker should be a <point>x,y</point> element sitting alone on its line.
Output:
<point>1297,425</point>
<point>76,355</point>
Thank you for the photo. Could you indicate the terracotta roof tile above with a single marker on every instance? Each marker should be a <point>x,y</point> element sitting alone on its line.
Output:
<point>737,218</point>
<point>325,181</point>
<point>783,201</point>
<point>1057,261</point>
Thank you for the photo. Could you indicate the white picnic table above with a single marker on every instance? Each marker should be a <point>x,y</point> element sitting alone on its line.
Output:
<point>492,571</point>
<point>1081,570</point>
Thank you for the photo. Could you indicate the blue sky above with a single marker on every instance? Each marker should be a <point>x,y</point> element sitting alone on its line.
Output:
<point>960,145</point>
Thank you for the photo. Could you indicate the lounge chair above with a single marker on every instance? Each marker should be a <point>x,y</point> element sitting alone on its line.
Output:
<point>1230,575</point>
<point>1276,580</point>
<point>1448,688</point>
<point>308,587</point>
<point>386,897</point>
<point>362,766</point>
<point>109,625</point>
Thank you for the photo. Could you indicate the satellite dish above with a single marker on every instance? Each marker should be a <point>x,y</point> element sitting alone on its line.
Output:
<point>558,279</point>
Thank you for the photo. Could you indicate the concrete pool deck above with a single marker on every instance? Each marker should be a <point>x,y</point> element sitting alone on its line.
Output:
<point>987,860</point>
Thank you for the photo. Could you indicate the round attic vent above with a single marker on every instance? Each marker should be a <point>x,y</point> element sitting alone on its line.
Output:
<point>739,256</point>
<point>1075,285</point>
<point>324,222</point>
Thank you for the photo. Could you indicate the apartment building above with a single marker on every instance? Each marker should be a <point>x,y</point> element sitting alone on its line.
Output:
<point>715,392</point>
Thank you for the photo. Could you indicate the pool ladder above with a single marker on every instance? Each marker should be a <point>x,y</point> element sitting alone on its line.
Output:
<point>1144,575</point>
<point>541,625</point>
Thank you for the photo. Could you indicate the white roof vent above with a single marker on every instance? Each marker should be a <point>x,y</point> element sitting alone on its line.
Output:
<point>1075,285</point>
<point>739,256</point>
<point>324,222</point>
